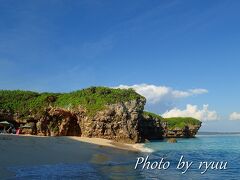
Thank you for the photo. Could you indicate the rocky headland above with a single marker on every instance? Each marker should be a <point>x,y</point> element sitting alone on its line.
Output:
<point>101,112</point>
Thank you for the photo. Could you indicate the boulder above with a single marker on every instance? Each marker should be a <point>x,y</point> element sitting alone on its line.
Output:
<point>172,140</point>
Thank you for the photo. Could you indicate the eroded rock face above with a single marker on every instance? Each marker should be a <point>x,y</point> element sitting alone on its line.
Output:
<point>192,130</point>
<point>186,132</point>
<point>119,122</point>
<point>14,118</point>
<point>151,128</point>
<point>122,122</point>
<point>57,122</point>
<point>63,123</point>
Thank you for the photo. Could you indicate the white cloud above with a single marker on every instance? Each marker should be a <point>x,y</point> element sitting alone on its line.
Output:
<point>234,116</point>
<point>198,91</point>
<point>203,114</point>
<point>155,94</point>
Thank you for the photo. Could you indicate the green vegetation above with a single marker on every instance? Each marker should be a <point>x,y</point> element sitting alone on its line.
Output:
<point>181,122</point>
<point>93,99</point>
<point>153,115</point>
<point>175,122</point>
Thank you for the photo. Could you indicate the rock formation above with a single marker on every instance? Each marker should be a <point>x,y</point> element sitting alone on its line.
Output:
<point>97,112</point>
<point>151,127</point>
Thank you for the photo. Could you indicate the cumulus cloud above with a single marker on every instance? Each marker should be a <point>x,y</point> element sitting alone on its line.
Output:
<point>234,116</point>
<point>155,94</point>
<point>203,114</point>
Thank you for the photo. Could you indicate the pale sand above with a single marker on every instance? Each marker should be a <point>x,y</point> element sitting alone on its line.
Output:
<point>21,150</point>
<point>109,143</point>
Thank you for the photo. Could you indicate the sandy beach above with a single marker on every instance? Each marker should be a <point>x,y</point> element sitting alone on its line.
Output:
<point>36,150</point>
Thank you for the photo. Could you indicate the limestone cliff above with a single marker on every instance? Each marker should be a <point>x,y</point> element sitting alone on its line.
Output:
<point>94,112</point>
<point>156,127</point>
<point>117,122</point>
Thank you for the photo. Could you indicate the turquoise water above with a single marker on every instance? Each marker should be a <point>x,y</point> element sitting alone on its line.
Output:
<point>208,148</point>
<point>117,164</point>
<point>202,148</point>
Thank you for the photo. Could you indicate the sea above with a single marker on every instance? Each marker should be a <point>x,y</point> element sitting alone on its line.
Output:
<point>219,152</point>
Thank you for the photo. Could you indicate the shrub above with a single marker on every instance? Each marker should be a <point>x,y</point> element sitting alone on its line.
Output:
<point>181,122</point>
<point>93,99</point>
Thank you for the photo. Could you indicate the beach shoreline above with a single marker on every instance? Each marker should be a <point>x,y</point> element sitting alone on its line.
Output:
<point>30,150</point>
<point>138,147</point>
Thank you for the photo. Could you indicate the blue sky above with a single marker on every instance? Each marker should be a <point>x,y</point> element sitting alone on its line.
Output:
<point>60,46</point>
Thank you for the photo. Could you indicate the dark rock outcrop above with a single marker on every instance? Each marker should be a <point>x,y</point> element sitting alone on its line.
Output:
<point>172,140</point>
<point>186,132</point>
<point>151,128</point>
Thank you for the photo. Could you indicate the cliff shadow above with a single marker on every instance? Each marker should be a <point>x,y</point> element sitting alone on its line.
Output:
<point>25,152</point>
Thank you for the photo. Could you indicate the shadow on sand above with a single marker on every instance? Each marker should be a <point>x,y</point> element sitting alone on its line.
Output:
<point>33,157</point>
